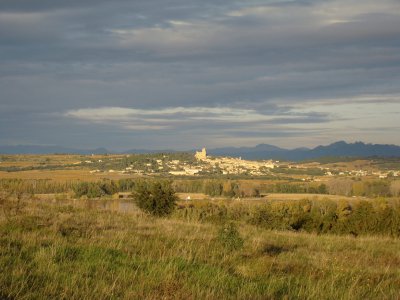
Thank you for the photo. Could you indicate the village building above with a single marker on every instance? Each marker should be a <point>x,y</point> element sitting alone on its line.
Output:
<point>201,155</point>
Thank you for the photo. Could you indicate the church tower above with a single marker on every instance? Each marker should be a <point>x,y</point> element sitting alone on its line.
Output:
<point>201,155</point>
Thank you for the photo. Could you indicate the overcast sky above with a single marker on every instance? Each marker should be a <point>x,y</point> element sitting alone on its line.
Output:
<point>182,74</point>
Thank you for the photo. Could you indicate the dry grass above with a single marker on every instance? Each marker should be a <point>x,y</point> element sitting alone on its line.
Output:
<point>64,175</point>
<point>287,196</point>
<point>193,196</point>
<point>71,252</point>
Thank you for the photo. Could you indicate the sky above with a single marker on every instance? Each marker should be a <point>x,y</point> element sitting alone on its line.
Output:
<point>183,74</point>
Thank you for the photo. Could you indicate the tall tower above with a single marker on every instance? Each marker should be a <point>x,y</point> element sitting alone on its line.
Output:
<point>201,155</point>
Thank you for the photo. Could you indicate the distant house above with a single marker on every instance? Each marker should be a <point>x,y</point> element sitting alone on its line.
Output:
<point>124,195</point>
<point>190,171</point>
<point>177,173</point>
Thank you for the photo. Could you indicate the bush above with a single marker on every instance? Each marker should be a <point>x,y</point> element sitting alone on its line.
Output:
<point>213,213</point>
<point>95,189</point>
<point>156,197</point>
<point>229,237</point>
<point>364,217</point>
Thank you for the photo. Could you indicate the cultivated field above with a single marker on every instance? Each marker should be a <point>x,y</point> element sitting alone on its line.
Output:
<point>297,196</point>
<point>63,175</point>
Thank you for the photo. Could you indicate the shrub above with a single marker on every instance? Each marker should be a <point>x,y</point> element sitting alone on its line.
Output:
<point>229,237</point>
<point>327,216</point>
<point>156,197</point>
<point>95,189</point>
<point>213,213</point>
<point>12,204</point>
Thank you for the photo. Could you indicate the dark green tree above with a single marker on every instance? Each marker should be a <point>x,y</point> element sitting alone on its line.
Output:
<point>155,197</point>
<point>229,237</point>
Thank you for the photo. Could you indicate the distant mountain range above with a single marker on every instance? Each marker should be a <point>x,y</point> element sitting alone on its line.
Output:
<point>342,149</point>
<point>36,149</point>
<point>262,151</point>
<point>33,149</point>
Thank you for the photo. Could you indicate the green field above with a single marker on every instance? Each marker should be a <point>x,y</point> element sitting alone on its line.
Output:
<point>67,251</point>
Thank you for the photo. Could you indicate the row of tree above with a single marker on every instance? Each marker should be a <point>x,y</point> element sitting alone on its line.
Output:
<point>211,187</point>
<point>79,188</point>
<point>363,217</point>
<point>373,188</point>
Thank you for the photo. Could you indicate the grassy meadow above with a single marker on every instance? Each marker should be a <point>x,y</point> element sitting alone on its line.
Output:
<point>64,234</point>
<point>66,251</point>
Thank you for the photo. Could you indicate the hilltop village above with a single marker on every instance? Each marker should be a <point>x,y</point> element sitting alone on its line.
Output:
<point>226,165</point>
<point>183,164</point>
<point>200,163</point>
<point>180,164</point>
<point>231,165</point>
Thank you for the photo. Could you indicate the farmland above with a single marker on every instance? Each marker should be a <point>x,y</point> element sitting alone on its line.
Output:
<point>66,232</point>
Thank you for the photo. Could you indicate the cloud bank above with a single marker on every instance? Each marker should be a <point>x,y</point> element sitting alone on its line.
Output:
<point>181,74</point>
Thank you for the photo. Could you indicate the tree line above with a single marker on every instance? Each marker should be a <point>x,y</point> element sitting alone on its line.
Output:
<point>358,217</point>
<point>211,187</point>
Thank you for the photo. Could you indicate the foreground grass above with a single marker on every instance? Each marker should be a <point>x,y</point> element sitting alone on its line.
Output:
<point>72,253</point>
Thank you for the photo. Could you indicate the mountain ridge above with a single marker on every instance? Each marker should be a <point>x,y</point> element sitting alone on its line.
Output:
<point>37,149</point>
<point>338,149</point>
<point>260,151</point>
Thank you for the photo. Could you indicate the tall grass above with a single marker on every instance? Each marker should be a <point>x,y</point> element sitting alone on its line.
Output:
<point>69,252</point>
<point>320,216</point>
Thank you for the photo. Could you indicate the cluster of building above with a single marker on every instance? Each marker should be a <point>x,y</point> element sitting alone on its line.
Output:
<point>231,165</point>
<point>204,164</point>
<point>363,173</point>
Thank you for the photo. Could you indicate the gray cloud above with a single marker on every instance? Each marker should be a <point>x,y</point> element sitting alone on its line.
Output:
<point>278,62</point>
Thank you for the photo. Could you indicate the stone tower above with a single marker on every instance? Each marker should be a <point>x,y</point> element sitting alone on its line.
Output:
<point>201,155</point>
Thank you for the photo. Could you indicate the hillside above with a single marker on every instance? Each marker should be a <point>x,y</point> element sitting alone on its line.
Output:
<point>341,148</point>
<point>261,151</point>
